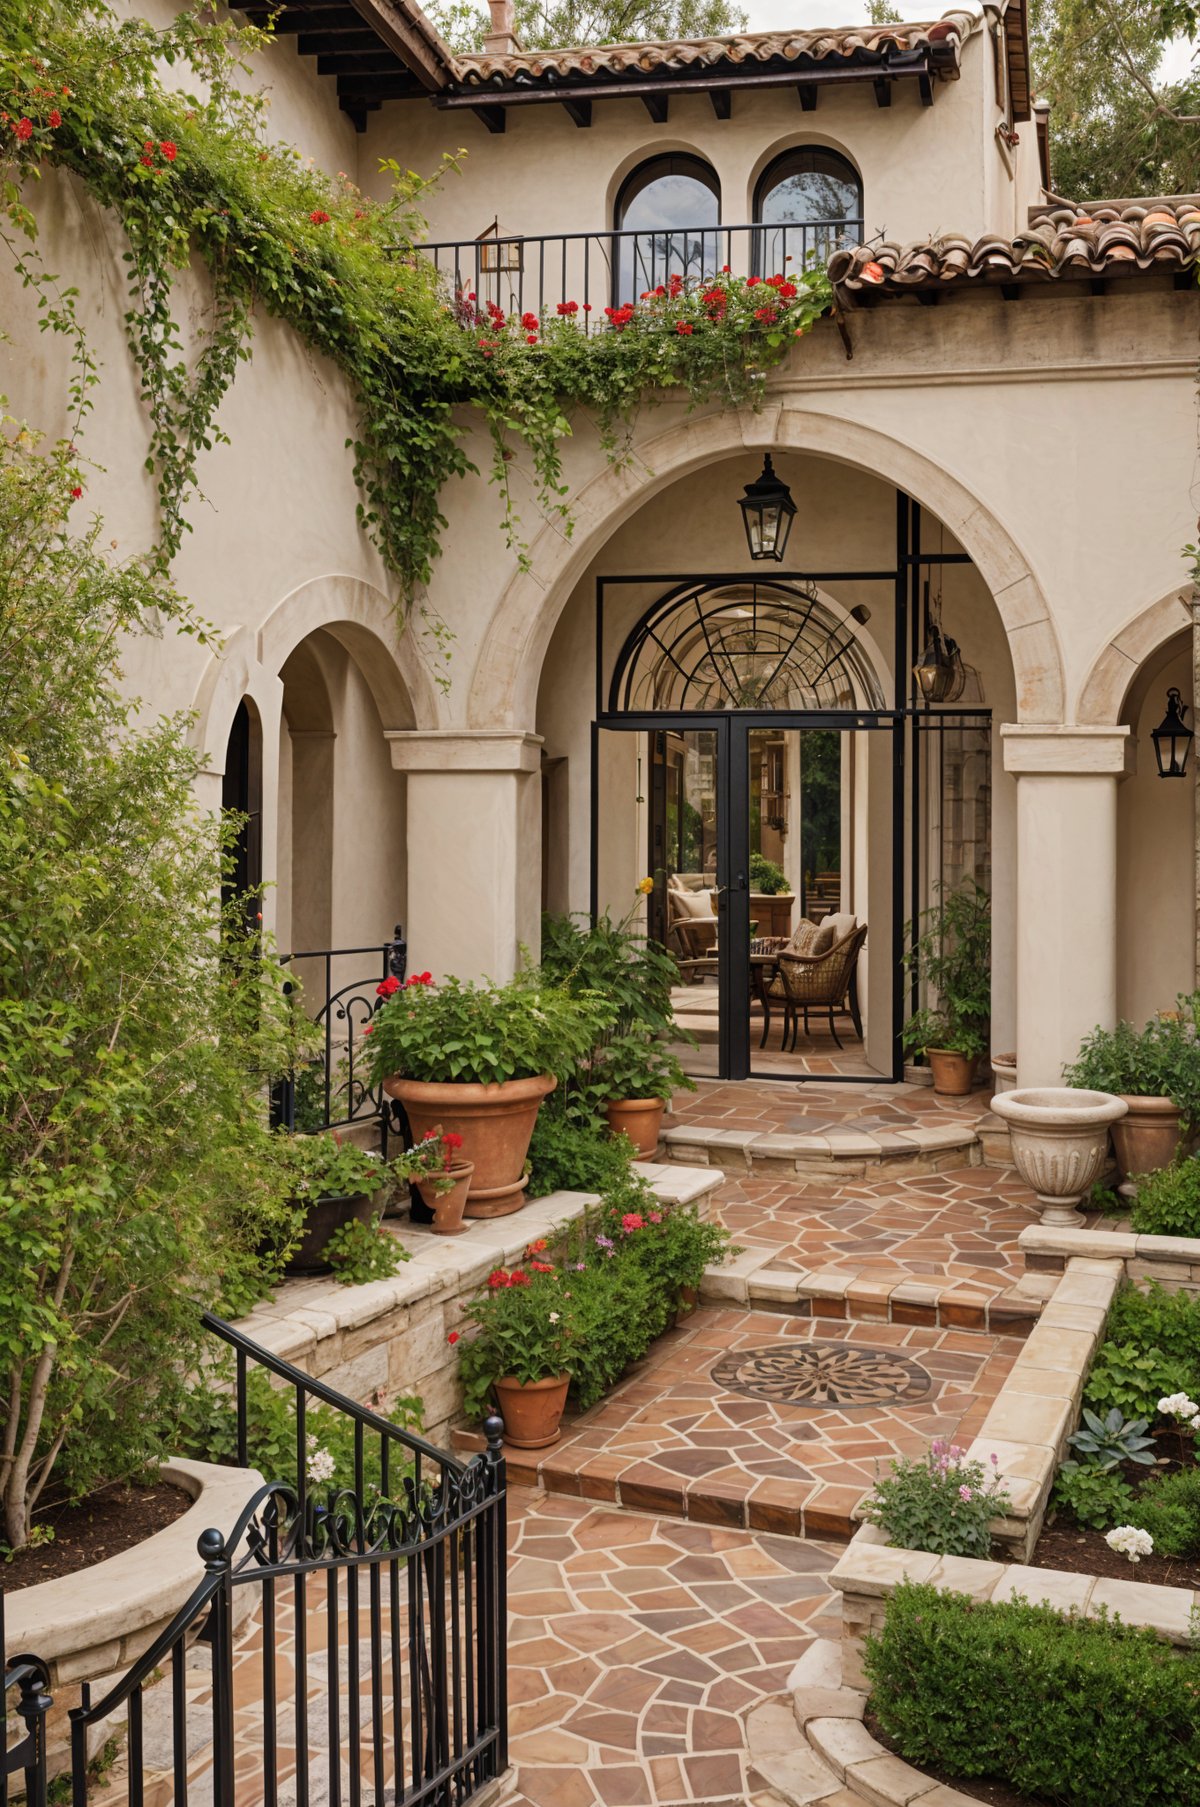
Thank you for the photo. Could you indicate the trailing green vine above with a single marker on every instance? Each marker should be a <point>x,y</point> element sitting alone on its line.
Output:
<point>194,175</point>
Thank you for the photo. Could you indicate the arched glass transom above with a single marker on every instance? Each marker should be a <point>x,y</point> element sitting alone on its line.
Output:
<point>673,204</point>
<point>811,200</point>
<point>770,645</point>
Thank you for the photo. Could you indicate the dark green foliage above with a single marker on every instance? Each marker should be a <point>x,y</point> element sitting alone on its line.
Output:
<point>549,24</point>
<point>1168,1506</point>
<point>1168,1202</point>
<point>565,1156</point>
<point>1086,1713</point>
<point>821,800</point>
<point>359,1252</point>
<point>1106,1441</point>
<point>1161,1060</point>
<point>952,962</point>
<point>1158,1319</point>
<point>766,876</point>
<point>1097,1497</point>
<point>1133,1377</point>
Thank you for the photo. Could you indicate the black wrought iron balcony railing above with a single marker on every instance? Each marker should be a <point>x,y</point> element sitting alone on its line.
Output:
<point>586,272</point>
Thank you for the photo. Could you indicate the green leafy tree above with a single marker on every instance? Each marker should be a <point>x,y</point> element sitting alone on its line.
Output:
<point>542,26</point>
<point>1119,127</point>
<point>137,1176</point>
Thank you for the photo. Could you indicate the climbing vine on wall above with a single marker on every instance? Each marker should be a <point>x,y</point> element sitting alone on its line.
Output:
<point>192,173</point>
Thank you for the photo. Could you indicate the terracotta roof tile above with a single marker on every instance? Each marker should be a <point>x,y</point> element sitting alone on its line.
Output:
<point>865,44</point>
<point>1104,239</point>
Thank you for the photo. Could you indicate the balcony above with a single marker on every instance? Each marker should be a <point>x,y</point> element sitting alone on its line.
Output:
<point>596,270</point>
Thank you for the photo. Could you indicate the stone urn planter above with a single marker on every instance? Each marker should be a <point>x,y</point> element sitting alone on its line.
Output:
<point>1145,1139</point>
<point>1059,1144</point>
<point>495,1123</point>
<point>641,1120</point>
<point>1004,1072</point>
<point>325,1216</point>
<point>532,1409</point>
<point>953,1073</point>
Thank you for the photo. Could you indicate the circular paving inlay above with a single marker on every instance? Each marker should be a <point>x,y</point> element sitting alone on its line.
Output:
<point>822,1374</point>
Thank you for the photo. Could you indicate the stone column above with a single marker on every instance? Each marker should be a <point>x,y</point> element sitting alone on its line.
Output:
<point>474,848</point>
<point>1066,888</point>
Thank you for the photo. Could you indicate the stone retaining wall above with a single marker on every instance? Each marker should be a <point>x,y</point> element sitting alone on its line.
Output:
<point>1174,1261</point>
<point>389,1337</point>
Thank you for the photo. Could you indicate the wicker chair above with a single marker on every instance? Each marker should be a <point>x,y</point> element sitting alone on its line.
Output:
<point>692,940</point>
<point>827,981</point>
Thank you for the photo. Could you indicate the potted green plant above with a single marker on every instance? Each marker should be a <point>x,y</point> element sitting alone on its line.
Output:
<point>333,1183</point>
<point>520,1356</point>
<point>477,1060</point>
<point>1156,1071</point>
<point>951,958</point>
<point>434,1166</point>
<point>769,881</point>
<point>635,1075</point>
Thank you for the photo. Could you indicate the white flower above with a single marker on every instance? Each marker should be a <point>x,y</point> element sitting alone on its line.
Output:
<point>1131,1542</point>
<point>554,1317</point>
<point>320,1465</point>
<point>1178,1405</point>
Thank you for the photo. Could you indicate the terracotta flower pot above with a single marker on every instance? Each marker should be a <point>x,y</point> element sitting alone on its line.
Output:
<point>1145,1140</point>
<point>495,1123</point>
<point>447,1207</point>
<point>953,1073</point>
<point>532,1409</point>
<point>326,1216</point>
<point>640,1119</point>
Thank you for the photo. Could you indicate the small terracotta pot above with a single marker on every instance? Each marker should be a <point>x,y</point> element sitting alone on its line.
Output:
<point>532,1409</point>
<point>447,1207</point>
<point>641,1120</point>
<point>325,1216</point>
<point>1145,1140</point>
<point>495,1123</point>
<point>953,1073</point>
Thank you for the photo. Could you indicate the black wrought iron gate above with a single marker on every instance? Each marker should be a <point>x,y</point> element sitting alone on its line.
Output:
<point>346,1641</point>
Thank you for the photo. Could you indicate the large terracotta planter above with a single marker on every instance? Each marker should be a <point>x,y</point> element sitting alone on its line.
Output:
<point>953,1073</point>
<point>1059,1143</point>
<point>532,1409</point>
<point>495,1123</point>
<point>326,1216</point>
<point>641,1120</point>
<point>1144,1140</point>
<point>446,1207</point>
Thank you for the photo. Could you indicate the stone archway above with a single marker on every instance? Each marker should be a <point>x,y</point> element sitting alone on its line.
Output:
<point>504,687</point>
<point>1115,670</point>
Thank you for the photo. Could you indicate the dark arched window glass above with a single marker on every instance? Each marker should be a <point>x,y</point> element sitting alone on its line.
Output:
<point>808,200</point>
<point>673,204</point>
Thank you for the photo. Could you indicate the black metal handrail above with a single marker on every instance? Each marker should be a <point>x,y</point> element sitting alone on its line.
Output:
<point>343,1095</point>
<point>593,270</point>
<point>406,1587</point>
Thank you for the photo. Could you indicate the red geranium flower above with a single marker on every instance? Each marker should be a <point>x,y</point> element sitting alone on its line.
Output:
<point>752,282</point>
<point>319,217</point>
<point>539,1247</point>
<point>531,338</point>
<point>541,1267</point>
<point>419,978</point>
<point>390,986</point>
<point>568,307</point>
<point>632,1221</point>
<point>529,322</point>
<point>684,327</point>
<point>55,120</point>
<point>451,1140</point>
<point>168,150</point>
<point>518,1277</point>
<point>76,493</point>
<point>499,1277</point>
<point>24,129</point>
<point>452,1338</point>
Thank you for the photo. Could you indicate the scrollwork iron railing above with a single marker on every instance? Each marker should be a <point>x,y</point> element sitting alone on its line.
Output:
<point>346,1641</point>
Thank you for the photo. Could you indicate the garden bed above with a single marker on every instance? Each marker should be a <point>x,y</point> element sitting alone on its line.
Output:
<point>91,1530</point>
<point>995,1794</point>
<point>1072,1548</point>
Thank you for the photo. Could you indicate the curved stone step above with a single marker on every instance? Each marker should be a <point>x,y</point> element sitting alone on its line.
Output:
<point>845,1154</point>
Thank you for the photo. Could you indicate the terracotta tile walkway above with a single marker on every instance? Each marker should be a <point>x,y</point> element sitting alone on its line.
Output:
<point>722,1424</point>
<point>777,1107</point>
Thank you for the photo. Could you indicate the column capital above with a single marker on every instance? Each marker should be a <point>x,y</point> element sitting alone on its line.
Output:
<point>464,749</point>
<point>1032,748</point>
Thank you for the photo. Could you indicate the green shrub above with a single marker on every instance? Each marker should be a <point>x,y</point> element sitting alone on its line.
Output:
<point>1168,1202</point>
<point>1086,1713</point>
<point>485,1034</point>
<point>1168,1506</point>
<point>767,877</point>
<point>939,1502</point>
<point>565,1156</point>
<point>1097,1497</point>
<point>1161,1060</point>
<point>1157,1319</point>
<point>1133,1378</point>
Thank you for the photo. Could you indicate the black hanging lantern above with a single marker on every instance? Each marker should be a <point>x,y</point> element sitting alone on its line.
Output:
<point>1172,738</point>
<point>767,510</point>
<point>937,668</point>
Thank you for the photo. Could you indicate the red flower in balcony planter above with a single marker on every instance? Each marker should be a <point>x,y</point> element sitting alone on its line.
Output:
<point>567,308</point>
<point>169,151</point>
<point>752,282</point>
<point>768,315</point>
<point>55,119</point>
<point>675,284</point>
<point>531,338</point>
<point>389,988</point>
<point>529,322</point>
<point>418,979</point>
<point>684,328</point>
<point>451,1139</point>
<point>319,217</point>
<point>23,130</point>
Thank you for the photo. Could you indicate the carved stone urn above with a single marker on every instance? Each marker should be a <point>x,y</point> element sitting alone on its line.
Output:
<point>1059,1144</point>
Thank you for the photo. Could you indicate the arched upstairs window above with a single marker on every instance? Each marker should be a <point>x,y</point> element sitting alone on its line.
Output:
<point>673,205</point>
<point>808,200</point>
<point>241,803</point>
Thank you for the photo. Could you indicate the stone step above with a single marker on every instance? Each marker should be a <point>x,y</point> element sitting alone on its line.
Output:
<point>845,1154</point>
<point>781,1755</point>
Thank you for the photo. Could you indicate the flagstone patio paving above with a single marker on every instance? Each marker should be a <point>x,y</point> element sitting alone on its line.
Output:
<point>754,1420</point>
<point>776,1107</point>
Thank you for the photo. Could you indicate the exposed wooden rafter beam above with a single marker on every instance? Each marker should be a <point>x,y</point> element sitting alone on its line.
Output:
<point>494,118</point>
<point>883,91</point>
<point>722,102</point>
<point>402,37</point>
<point>358,62</point>
<point>579,110</point>
<point>352,86</point>
<point>657,106</point>
<point>808,96</point>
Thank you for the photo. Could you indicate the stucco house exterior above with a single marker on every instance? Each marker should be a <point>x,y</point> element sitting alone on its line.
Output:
<point>993,434</point>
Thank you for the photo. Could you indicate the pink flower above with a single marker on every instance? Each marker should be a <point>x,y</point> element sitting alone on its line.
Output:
<point>964,1493</point>
<point>631,1222</point>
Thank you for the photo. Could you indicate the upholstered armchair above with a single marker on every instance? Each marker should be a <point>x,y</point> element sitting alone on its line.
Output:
<point>825,980</point>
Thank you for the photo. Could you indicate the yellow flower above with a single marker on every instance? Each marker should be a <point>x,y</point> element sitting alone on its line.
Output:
<point>645,886</point>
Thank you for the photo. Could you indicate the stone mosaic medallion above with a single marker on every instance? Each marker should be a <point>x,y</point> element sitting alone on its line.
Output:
<point>817,1375</point>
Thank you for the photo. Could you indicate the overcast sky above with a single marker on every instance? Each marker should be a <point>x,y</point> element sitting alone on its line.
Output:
<point>782,15</point>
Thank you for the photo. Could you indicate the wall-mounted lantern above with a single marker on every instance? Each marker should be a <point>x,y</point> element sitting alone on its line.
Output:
<point>1172,738</point>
